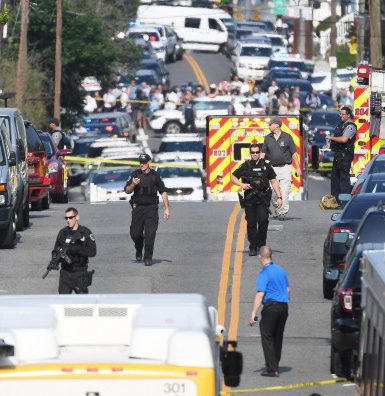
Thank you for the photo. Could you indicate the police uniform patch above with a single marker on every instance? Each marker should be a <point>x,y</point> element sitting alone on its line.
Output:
<point>92,237</point>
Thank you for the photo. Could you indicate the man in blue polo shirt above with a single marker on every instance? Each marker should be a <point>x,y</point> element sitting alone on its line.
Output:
<point>273,293</point>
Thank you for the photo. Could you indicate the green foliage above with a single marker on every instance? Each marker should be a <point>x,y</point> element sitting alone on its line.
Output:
<point>89,46</point>
<point>34,108</point>
<point>345,58</point>
<point>4,17</point>
<point>324,25</point>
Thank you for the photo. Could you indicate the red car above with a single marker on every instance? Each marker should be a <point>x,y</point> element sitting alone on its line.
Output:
<point>39,182</point>
<point>57,169</point>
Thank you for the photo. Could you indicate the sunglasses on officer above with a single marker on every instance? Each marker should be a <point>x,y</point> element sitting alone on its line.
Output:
<point>254,152</point>
<point>69,217</point>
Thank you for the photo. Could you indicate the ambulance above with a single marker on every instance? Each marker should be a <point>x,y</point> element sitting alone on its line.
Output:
<point>228,139</point>
<point>369,116</point>
<point>113,345</point>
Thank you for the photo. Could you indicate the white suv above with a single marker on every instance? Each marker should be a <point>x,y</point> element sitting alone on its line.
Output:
<point>180,147</point>
<point>250,60</point>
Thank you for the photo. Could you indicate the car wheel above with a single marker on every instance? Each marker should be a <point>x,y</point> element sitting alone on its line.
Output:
<point>45,202</point>
<point>36,206</point>
<point>133,138</point>
<point>8,235</point>
<point>172,127</point>
<point>179,55</point>
<point>26,215</point>
<point>328,288</point>
<point>20,219</point>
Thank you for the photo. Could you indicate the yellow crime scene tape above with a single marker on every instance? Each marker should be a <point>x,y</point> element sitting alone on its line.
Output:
<point>82,160</point>
<point>285,387</point>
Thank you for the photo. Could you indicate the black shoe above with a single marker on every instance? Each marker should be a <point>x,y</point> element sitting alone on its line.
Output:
<point>147,262</point>
<point>267,373</point>
<point>139,256</point>
<point>253,252</point>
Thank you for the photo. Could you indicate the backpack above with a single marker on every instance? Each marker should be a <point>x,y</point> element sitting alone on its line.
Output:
<point>328,202</point>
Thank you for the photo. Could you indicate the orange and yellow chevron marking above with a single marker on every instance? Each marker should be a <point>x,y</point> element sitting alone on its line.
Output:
<point>225,132</point>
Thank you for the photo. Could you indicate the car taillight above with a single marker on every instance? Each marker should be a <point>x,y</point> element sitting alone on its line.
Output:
<point>357,188</point>
<point>125,134</point>
<point>337,229</point>
<point>346,298</point>
<point>109,128</point>
<point>341,265</point>
<point>382,150</point>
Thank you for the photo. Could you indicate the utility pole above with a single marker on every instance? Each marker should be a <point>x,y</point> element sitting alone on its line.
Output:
<point>361,31</point>
<point>58,59</point>
<point>375,33</point>
<point>301,43</point>
<point>333,46</point>
<point>22,59</point>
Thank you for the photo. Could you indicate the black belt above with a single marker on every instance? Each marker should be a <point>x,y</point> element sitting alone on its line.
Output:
<point>271,302</point>
<point>280,165</point>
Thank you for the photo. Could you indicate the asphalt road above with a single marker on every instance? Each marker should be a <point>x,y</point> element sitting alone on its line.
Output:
<point>189,257</point>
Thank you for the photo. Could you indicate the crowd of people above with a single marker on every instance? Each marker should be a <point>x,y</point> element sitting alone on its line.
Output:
<point>142,100</point>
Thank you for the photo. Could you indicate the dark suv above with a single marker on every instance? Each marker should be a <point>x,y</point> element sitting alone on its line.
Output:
<point>346,222</point>
<point>39,181</point>
<point>346,315</point>
<point>8,189</point>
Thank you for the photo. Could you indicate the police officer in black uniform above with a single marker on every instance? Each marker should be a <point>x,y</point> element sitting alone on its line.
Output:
<point>257,176</point>
<point>342,143</point>
<point>146,183</point>
<point>77,244</point>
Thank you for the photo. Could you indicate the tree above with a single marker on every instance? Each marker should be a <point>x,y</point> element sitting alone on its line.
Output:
<point>89,47</point>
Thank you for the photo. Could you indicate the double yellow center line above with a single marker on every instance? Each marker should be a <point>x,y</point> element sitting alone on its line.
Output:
<point>197,70</point>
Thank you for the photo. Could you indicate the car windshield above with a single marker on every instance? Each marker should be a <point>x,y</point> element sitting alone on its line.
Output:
<point>179,172</point>
<point>119,175</point>
<point>143,35</point>
<point>277,63</point>
<point>211,105</point>
<point>372,231</point>
<point>256,51</point>
<point>148,79</point>
<point>285,74</point>
<point>167,147</point>
<point>243,33</point>
<point>378,167</point>
<point>47,145</point>
<point>277,41</point>
<point>303,85</point>
<point>356,209</point>
<point>374,186</point>
<point>345,77</point>
<point>229,23</point>
<point>324,118</point>
<point>151,66</point>
<point>81,148</point>
<point>327,101</point>
<point>317,79</point>
<point>33,140</point>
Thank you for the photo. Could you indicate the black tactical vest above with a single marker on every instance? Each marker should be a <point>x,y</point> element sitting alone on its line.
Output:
<point>347,147</point>
<point>256,176</point>
<point>146,192</point>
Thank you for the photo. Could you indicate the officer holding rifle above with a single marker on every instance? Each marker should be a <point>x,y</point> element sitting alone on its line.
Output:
<point>74,245</point>
<point>257,179</point>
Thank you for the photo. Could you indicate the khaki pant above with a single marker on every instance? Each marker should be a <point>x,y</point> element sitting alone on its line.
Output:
<point>284,179</point>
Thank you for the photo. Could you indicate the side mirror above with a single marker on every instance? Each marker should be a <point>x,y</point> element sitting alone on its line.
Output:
<point>335,216</point>
<point>341,237</point>
<point>232,366</point>
<point>64,152</point>
<point>12,158</point>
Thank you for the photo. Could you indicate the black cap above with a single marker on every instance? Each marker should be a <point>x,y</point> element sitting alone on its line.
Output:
<point>275,120</point>
<point>143,158</point>
<point>55,121</point>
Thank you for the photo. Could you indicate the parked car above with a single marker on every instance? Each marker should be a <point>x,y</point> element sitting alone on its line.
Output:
<point>346,315</point>
<point>183,147</point>
<point>146,75</point>
<point>345,223</point>
<point>303,85</point>
<point>279,72</point>
<point>57,168</point>
<point>375,165</point>
<point>114,124</point>
<point>289,60</point>
<point>159,68</point>
<point>39,182</point>
<point>322,123</point>
<point>374,183</point>
<point>15,126</point>
<point>8,189</point>
<point>183,184</point>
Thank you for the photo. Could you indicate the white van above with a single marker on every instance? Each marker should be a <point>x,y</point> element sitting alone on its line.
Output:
<point>200,28</point>
<point>112,345</point>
